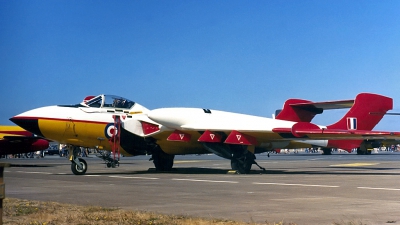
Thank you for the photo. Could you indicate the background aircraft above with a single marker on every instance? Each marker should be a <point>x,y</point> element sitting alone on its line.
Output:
<point>117,124</point>
<point>15,140</point>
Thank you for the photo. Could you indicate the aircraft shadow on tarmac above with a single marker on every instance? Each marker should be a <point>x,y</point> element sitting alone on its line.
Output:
<point>348,171</point>
<point>29,165</point>
<point>337,170</point>
<point>194,170</point>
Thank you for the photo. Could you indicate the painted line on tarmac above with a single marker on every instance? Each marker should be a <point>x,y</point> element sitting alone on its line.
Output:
<point>315,159</point>
<point>209,181</point>
<point>384,189</point>
<point>128,177</point>
<point>187,161</point>
<point>34,172</point>
<point>356,164</point>
<point>301,185</point>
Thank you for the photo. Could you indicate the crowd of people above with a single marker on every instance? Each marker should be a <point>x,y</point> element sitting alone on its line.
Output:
<point>60,150</point>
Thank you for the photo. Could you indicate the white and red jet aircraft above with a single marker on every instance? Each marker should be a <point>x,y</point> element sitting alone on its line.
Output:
<point>238,137</point>
<point>166,132</point>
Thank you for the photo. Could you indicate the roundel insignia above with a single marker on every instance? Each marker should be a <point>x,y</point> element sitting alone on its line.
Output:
<point>110,130</point>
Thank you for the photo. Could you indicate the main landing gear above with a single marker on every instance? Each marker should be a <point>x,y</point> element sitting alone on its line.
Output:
<point>78,165</point>
<point>242,160</point>
<point>162,161</point>
<point>110,162</point>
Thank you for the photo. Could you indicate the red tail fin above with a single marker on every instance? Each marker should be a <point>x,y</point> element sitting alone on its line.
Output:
<point>368,109</point>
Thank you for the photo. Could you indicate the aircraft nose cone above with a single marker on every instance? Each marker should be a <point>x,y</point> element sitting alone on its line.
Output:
<point>29,124</point>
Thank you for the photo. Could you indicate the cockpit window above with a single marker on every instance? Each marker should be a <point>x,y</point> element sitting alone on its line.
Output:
<point>117,102</point>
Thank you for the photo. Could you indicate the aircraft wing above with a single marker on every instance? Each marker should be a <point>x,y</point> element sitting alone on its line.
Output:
<point>303,133</point>
<point>15,140</point>
<point>21,144</point>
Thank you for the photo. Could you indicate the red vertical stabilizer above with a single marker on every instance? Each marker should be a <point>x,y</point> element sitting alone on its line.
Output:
<point>368,109</point>
<point>365,114</point>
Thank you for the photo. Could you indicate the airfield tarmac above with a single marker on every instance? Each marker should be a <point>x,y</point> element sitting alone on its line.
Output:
<point>298,188</point>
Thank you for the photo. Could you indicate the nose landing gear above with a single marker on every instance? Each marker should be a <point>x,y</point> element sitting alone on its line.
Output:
<point>78,165</point>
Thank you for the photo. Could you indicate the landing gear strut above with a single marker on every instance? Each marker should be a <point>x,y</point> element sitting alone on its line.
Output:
<point>110,162</point>
<point>78,165</point>
<point>242,161</point>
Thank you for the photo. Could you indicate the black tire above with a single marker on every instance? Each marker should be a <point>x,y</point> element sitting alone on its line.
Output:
<point>76,170</point>
<point>243,165</point>
<point>361,151</point>
<point>327,151</point>
<point>162,161</point>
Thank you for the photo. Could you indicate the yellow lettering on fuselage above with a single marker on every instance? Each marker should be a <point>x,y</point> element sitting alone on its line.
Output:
<point>81,133</point>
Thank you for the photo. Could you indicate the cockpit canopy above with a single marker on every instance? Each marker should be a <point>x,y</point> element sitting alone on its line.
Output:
<point>107,101</point>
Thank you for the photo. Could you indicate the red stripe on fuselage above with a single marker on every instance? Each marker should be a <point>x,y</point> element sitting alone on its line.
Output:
<point>22,133</point>
<point>58,119</point>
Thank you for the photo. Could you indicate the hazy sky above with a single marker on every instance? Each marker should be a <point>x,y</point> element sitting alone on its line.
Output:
<point>240,56</point>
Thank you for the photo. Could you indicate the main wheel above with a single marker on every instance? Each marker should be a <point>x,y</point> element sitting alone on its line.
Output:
<point>75,168</point>
<point>162,161</point>
<point>243,164</point>
<point>327,151</point>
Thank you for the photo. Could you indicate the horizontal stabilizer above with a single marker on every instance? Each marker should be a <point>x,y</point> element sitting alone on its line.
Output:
<point>342,104</point>
<point>299,110</point>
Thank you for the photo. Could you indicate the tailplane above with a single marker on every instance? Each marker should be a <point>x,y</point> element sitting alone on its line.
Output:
<point>298,110</point>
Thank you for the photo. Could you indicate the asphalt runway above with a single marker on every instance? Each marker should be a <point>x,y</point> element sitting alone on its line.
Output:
<point>298,188</point>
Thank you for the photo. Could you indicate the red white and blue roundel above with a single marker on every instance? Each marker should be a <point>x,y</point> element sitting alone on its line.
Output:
<point>351,123</point>
<point>110,130</point>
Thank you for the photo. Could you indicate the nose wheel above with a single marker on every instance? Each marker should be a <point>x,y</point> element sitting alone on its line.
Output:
<point>80,167</point>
